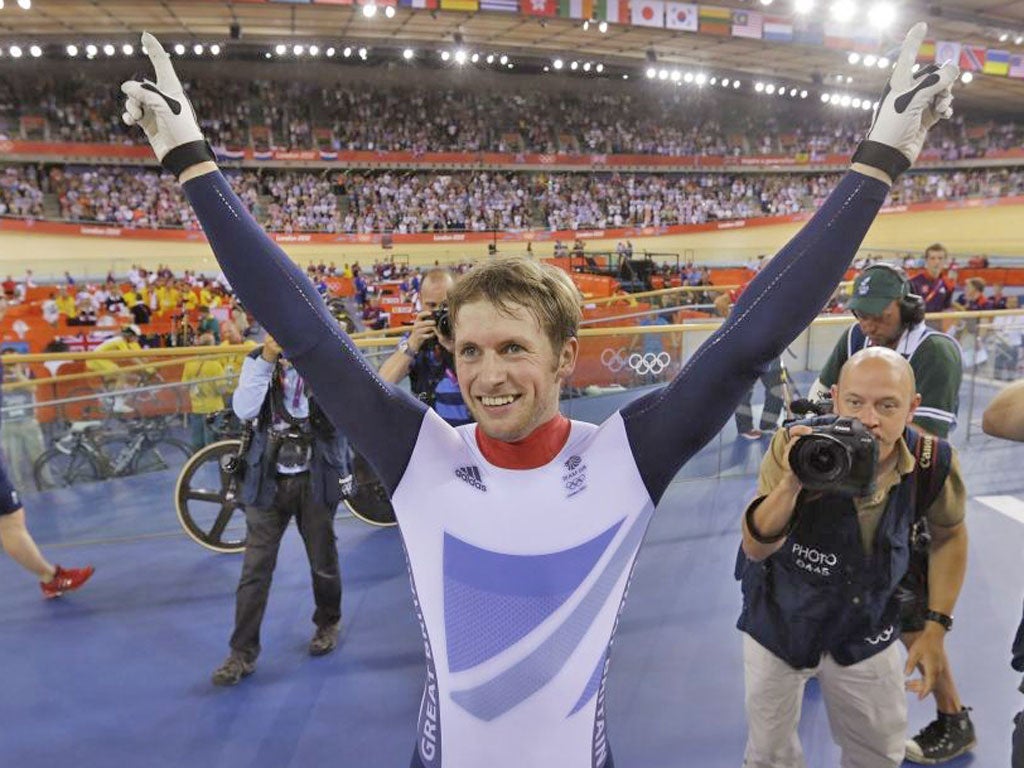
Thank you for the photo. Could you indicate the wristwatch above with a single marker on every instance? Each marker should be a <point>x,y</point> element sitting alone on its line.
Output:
<point>403,346</point>
<point>939,618</point>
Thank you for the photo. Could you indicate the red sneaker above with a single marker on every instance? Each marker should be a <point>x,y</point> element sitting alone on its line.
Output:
<point>66,580</point>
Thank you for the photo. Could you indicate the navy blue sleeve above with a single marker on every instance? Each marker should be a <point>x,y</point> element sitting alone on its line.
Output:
<point>665,428</point>
<point>381,421</point>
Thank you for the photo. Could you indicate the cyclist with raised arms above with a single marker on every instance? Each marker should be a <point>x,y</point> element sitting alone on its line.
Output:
<point>521,530</point>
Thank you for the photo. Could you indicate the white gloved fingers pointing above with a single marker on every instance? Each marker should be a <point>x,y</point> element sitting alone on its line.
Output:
<point>908,51</point>
<point>166,80</point>
<point>132,112</point>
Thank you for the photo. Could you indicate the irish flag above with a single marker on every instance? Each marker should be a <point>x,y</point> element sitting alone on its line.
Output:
<point>615,11</point>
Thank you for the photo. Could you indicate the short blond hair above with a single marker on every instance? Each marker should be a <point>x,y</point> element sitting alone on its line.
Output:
<point>546,292</point>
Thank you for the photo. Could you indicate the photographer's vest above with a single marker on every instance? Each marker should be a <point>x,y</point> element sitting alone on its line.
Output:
<point>820,593</point>
<point>328,462</point>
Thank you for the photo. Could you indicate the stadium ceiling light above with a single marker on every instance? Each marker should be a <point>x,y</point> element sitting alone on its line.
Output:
<point>558,63</point>
<point>490,58</point>
<point>853,58</point>
<point>883,62</point>
<point>510,65</point>
<point>866,105</point>
<point>24,4</point>
<point>845,101</point>
<point>769,89</point>
<point>759,87</point>
<point>842,11</point>
<point>445,55</point>
<point>35,51</point>
<point>700,78</point>
<point>651,73</point>
<point>676,75</point>
<point>91,50</point>
<point>966,77</point>
<point>314,50</point>
<point>298,50</point>
<point>735,84</point>
<point>369,10</point>
<point>197,49</point>
<point>389,11</point>
<point>72,50</point>
<point>280,49</point>
<point>179,49</point>
<point>663,74</point>
<point>1004,36</point>
<point>803,6</point>
<point>408,53</point>
<point>363,53</point>
<point>688,77</point>
<point>625,77</point>
<point>330,52</point>
<point>503,60</point>
<point>824,98</point>
<point>599,68</point>
<point>109,49</point>
<point>347,52</point>
<point>870,60</point>
<point>215,49</point>
<point>574,65</point>
<point>127,49</point>
<point>767,2</point>
<point>1018,40</point>
<point>602,27</point>
<point>713,81</point>
<point>586,67</point>
<point>586,25</point>
<point>725,82</point>
<point>855,103</point>
<point>15,52</point>
<point>834,99</point>
<point>803,94</point>
<point>547,68</point>
<point>475,58</point>
<point>882,15</point>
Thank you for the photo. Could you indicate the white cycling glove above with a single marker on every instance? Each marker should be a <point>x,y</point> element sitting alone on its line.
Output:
<point>911,103</point>
<point>164,113</point>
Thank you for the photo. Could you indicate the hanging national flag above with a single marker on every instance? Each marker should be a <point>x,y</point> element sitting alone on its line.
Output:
<point>839,36</point>
<point>972,58</point>
<point>715,20</point>
<point>947,51</point>
<point>1017,66</point>
<point>427,4</point>
<point>997,63</point>
<point>572,9</point>
<point>539,7</point>
<point>460,5</point>
<point>647,13</point>
<point>681,16</point>
<point>926,53</point>
<point>506,6</point>
<point>747,24</point>
<point>777,28</point>
<point>615,11</point>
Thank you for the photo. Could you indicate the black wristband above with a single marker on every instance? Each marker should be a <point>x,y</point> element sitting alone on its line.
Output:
<point>756,535</point>
<point>185,155</point>
<point>939,618</point>
<point>881,156</point>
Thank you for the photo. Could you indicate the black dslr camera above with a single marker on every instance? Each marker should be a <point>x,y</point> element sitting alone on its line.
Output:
<point>443,320</point>
<point>838,457</point>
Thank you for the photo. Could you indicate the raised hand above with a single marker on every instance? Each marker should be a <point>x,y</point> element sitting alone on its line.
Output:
<point>161,109</point>
<point>911,103</point>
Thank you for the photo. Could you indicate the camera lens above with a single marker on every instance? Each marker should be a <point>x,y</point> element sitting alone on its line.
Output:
<point>819,461</point>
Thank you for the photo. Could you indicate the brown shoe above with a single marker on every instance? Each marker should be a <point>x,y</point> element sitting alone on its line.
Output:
<point>324,640</point>
<point>232,670</point>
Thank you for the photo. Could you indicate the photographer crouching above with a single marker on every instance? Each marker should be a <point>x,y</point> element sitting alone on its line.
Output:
<point>292,463</point>
<point>826,544</point>
<point>424,354</point>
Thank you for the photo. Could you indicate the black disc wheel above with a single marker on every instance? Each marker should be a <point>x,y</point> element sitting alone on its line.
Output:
<point>205,498</point>
<point>369,502</point>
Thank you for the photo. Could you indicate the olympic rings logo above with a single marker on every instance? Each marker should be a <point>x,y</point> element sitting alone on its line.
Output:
<point>648,363</point>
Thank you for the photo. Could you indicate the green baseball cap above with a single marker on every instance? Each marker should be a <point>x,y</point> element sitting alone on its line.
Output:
<point>876,289</point>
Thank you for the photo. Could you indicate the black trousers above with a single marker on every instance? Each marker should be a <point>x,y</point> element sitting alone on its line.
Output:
<point>265,527</point>
<point>774,401</point>
<point>1018,742</point>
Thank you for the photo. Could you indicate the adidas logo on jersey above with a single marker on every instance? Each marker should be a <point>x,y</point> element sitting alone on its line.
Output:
<point>471,475</point>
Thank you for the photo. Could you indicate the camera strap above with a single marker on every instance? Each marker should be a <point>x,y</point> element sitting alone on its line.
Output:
<point>930,472</point>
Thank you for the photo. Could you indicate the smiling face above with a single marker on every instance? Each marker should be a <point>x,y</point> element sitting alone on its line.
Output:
<point>509,373</point>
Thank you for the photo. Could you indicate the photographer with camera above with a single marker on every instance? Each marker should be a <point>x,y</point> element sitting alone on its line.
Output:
<point>826,544</point>
<point>424,354</point>
<point>293,463</point>
<point>890,315</point>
